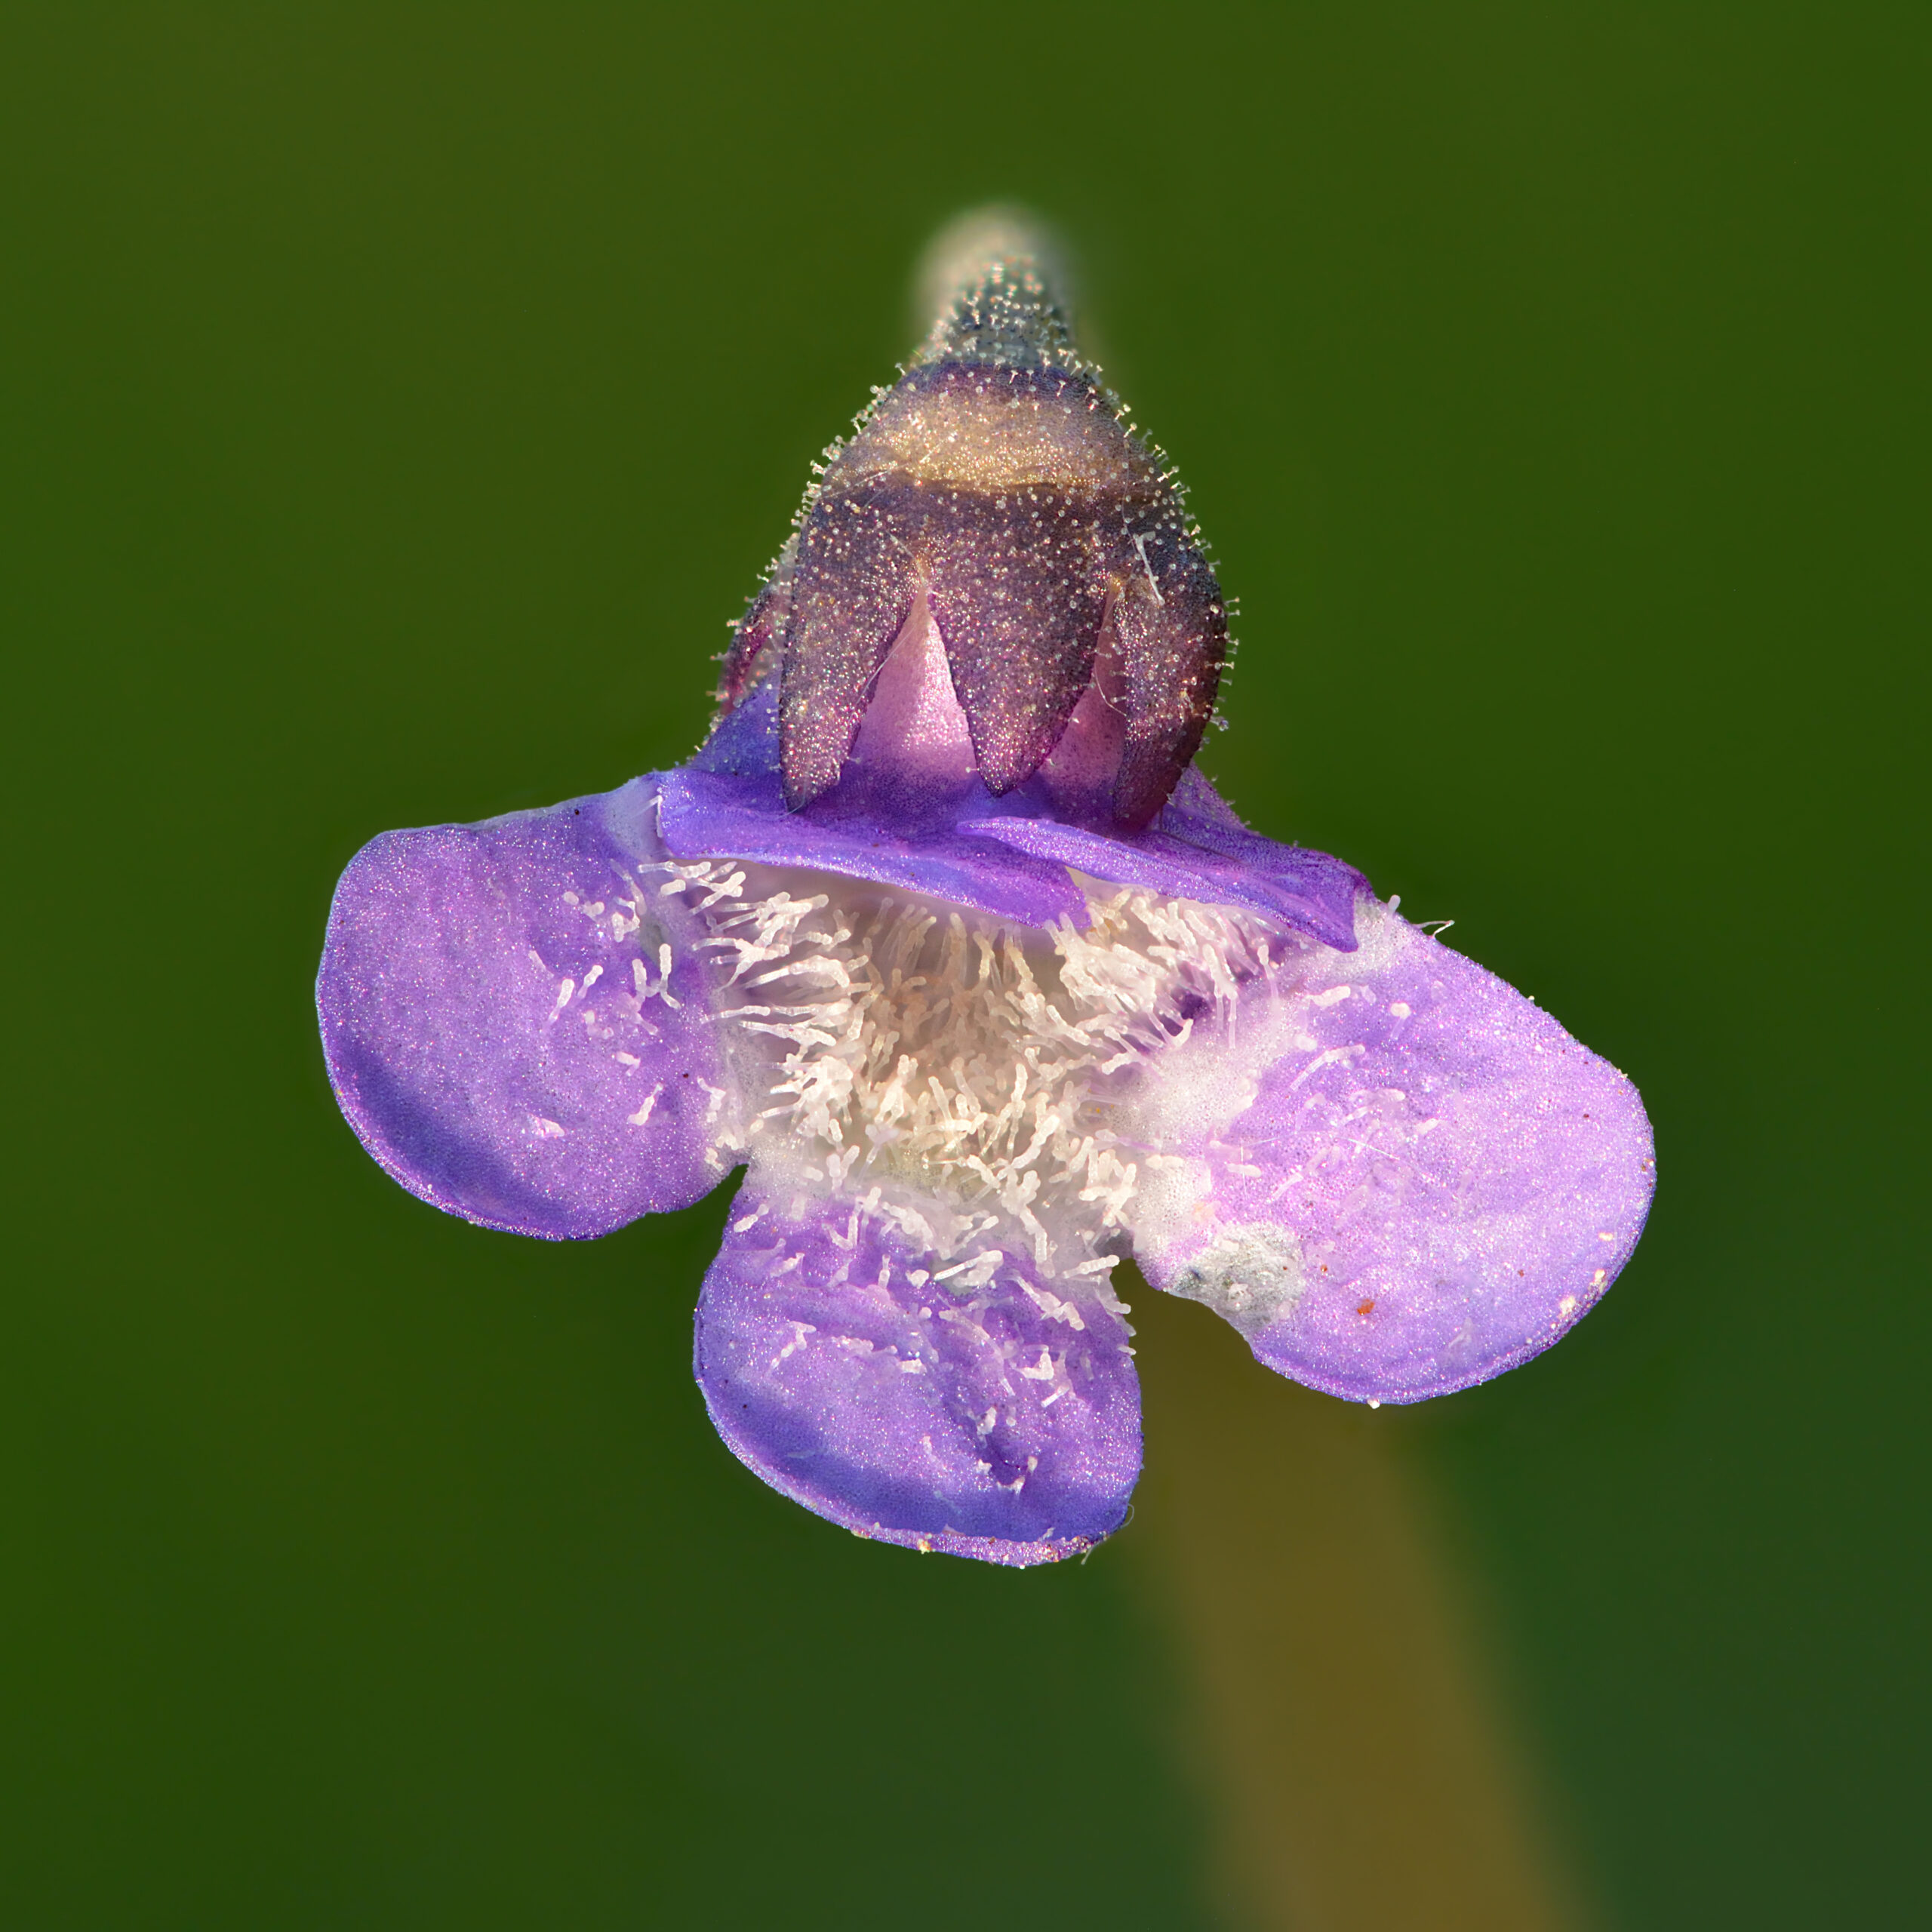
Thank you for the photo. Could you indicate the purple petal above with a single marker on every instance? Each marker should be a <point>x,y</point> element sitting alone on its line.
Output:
<point>497,1026</point>
<point>912,758</point>
<point>1422,1180</point>
<point>1307,891</point>
<point>1001,1421</point>
<point>928,827</point>
<point>713,814</point>
<point>1325,888</point>
<point>1194,795</point>
<point>744,740</point>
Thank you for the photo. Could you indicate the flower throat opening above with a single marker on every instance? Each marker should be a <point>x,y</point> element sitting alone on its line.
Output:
<point>924,1053</point>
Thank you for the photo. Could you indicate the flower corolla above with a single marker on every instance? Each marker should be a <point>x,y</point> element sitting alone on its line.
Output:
<point>942,936</point>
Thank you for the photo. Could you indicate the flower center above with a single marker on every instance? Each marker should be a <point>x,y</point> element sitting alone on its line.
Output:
<point>971,1073</point>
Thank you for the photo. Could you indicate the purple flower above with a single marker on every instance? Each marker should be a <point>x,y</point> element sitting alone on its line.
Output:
<point>942,934</point>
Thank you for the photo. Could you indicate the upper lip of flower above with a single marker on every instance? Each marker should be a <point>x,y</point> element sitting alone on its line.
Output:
<point>1010,855</point>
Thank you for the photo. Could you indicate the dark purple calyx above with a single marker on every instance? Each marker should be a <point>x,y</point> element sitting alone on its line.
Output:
<point>995,499</point>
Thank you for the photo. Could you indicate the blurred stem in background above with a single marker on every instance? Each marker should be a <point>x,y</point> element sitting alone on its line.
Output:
<point>1357,1769</point>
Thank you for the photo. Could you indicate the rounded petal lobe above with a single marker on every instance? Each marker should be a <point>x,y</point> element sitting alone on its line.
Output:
<point>982,1414</point>
<point>500,1027</point>
<point>1400,1177</point>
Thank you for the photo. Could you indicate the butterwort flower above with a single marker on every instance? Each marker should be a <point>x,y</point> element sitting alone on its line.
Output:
<point>944,937</point>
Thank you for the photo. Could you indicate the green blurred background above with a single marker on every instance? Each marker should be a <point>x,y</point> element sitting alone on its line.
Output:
<point>397,403</point>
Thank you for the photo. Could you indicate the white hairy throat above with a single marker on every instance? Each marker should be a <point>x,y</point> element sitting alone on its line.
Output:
<point>968,1076</point>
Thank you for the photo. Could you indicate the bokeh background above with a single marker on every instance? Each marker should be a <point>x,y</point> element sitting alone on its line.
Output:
<point>395,403</point>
